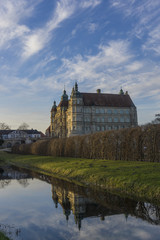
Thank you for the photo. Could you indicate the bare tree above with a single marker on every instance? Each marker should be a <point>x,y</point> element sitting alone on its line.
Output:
<point>157,119</point>
<point>23,126</point>
<point>4,126</point>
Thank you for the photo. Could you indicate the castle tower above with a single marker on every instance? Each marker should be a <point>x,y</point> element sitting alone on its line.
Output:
<point>53,113</point>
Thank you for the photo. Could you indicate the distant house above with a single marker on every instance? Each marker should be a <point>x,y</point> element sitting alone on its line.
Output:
<point>10,138</point>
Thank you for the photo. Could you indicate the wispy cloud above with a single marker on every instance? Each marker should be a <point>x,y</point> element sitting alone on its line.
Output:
<point>37,39</point>
<point>89,3</point>
<point>112,67</point>
<point>11,14</point>
<point>146,23</point>
<point>34,40</point>
<point>134,66</point>
<point>153,41</point>
<point>92,27</point>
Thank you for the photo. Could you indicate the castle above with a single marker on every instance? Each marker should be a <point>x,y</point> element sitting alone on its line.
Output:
<point>86,113</point>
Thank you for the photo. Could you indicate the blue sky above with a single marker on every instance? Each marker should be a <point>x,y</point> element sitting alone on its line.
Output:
<point>107,44</point>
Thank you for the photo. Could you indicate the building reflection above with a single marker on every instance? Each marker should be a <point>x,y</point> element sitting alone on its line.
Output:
<point>81,206</point>
<point>84,202</point>
<point>8,174</point>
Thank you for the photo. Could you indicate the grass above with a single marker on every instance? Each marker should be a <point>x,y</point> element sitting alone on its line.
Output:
<point>3,237</point>
<point>134,179</point>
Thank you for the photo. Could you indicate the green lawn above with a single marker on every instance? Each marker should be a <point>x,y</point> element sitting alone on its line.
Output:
<point>134,179</point>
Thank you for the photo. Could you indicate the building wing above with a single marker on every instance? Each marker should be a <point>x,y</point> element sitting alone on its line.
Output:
<point>107,100</point>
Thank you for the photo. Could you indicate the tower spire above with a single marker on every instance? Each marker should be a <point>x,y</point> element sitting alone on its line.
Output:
<point>76,86</point>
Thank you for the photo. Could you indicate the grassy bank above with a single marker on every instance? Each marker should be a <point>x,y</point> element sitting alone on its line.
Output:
<point>135,179</point>
<point>3,237</point>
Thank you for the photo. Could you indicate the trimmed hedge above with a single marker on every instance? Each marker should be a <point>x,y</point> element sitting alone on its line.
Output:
<point>133,144</point>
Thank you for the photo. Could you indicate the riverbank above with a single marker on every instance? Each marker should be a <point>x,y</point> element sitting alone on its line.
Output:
<point>139,180</point>
<point>3,237</point>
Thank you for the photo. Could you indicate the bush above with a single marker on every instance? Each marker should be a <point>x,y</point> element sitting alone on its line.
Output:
<point>132,144</point>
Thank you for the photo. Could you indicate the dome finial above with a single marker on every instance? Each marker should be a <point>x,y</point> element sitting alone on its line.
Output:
<point>121,91</point>
<point>76,86</point>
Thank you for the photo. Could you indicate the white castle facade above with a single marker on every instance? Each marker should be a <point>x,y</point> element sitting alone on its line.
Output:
<point>86,113</point>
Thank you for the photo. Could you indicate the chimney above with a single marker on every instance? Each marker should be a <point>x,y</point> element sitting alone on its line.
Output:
<point>98,90</point>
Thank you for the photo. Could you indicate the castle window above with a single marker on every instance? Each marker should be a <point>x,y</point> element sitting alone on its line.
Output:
<point>87,110</point>
<point>98,128</point>
<point>87,129</point>
<point>79,109</point>
<point>102,110</point>
<point>115,111</point>
<point>127,111</point>
<point>121,111</point>
<point>127,119</point>
<point>109,119</point>
<point>97,110</point>
<point>109,111</point>
<point>103,128</point>
<point>102,120</point>
<point>115,119</point>
<point>121,119</point>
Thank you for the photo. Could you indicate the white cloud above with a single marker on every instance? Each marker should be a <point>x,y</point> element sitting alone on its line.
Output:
<point>116,52</point>
<point>11,14</point>
<point>3,88</point>
<point>90,3</point>
<point>37,39</point>
<point>146,20</point>
<point>34,40</point>
<point>153,40</point>
<point>112,67</point>
<point>92,27</point>
<point>134,66</point>
<point>34,43</point>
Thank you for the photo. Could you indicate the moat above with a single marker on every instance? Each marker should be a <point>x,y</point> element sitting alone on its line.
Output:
<point>35,206</point>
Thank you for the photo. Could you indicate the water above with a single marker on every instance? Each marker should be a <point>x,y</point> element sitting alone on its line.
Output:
<point>37,207</point>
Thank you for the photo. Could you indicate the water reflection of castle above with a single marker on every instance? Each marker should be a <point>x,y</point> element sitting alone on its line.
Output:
<point>85,202</point>
<point>80,206</point>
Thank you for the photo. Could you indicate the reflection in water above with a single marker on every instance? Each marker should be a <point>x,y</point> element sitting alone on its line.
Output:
<point>7,174</point>
<point>86,203</point>
<point>83,202</point>
<point>10,230</point>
